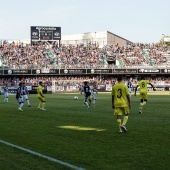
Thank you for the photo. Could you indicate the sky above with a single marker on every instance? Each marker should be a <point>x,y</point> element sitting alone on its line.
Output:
<point>135,20</point>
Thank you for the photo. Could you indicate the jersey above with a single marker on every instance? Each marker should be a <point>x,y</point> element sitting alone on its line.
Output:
<point>129,85</point>
<point>143,86</point>
<point>24,91</point>
<point>39,90</point>
<point>120,92</point>
<point>19,91</point>
<point>87,91</point>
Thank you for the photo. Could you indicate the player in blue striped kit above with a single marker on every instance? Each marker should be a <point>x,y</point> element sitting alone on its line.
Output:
<point>24,93</point>
<point>6,93</point>
<point>93,90</point>
<point>129,86</point>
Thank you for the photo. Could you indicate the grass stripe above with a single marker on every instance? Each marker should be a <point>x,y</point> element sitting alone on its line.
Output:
<point>42,156</point>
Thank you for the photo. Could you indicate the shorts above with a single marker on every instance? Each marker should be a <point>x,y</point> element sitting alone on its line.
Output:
<point>6,94</point>
<point>25,96</point>
<point>93,96</point>
<point>130,90</point>
<point>121,110</point>
<point>87,97</point>
<point>20,100</point>
<point>42,99</point>
<point>143,95</point>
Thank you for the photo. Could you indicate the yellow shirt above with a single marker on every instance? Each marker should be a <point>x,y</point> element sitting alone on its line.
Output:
<point>143,85</point>
<point>39,90</point>
<point>120,92</point>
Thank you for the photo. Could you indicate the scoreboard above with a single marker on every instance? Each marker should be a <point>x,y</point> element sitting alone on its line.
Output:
<point>46,35</point>
<point>41,33</point>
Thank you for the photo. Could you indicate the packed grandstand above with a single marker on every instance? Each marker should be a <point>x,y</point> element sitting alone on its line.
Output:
<point>44,55</point>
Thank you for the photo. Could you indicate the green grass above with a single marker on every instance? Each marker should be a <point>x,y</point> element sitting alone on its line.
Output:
<point>144,147</point>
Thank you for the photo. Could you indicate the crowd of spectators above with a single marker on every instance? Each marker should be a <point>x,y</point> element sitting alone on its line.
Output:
<point>144,55</point>
<point>18,56</point>
<point>52,56</point>
<point>78,80</point>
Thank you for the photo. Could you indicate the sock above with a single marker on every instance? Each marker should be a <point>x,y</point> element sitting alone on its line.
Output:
<point>21,105</point>
<point>140,108</point>
<point>144,103</point>
<point>28,102</point>
<point>86,104</point>
<point>125,119</point>
<point>43,104</point>
<point>89,102</point>
<point>39,106</point>
<point>94,102</point>
<point>6,99</point>
<point>119,123</point>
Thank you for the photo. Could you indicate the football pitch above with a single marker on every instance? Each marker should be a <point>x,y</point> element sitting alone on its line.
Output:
<point>69,136</point>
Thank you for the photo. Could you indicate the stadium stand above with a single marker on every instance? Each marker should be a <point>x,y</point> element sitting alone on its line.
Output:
<point>44,55</point>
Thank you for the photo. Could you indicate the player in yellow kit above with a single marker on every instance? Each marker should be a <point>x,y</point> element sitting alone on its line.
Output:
<point>121,103</point>
<point>143,92</point>
<point>41,96</point>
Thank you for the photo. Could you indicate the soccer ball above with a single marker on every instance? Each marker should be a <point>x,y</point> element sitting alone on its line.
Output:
<point>75,98</point>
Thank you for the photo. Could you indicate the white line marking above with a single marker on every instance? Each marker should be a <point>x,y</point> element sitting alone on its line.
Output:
<point>42,156</point>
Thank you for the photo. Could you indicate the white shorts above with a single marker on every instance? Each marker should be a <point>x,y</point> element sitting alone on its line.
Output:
<point>25,97</point>
<point>20,100</point>
<point>130,90</point>
<point>6,94</point>
<point>93,96</point>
